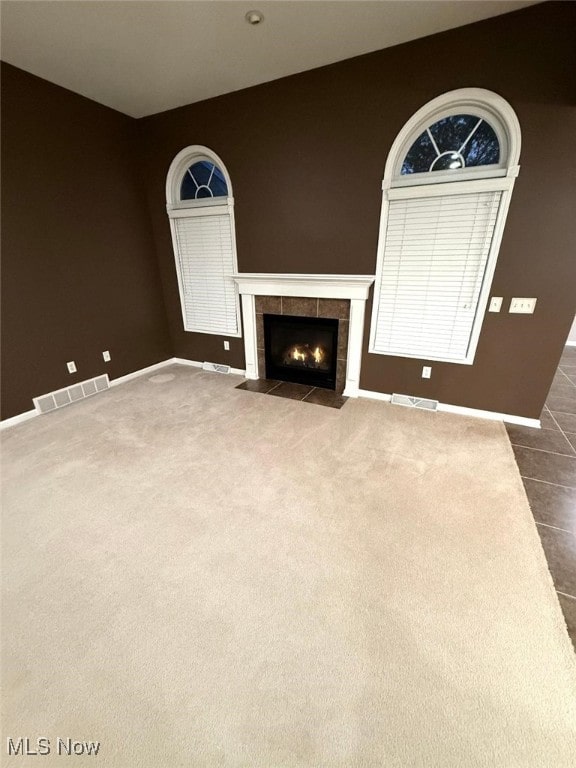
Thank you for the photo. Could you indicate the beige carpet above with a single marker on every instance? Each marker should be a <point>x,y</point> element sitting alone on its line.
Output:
<point>200,576</point>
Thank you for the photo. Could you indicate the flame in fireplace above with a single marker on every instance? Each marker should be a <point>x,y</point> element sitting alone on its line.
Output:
<point>298,354</point>
<point>303,354</point>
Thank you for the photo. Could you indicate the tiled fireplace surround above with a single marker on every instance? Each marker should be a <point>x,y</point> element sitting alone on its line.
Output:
<point>337,296</point>
<point>303,306</point>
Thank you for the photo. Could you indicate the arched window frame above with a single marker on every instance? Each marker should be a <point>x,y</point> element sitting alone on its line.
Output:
<point>179,167</point>
<point>195,210</point>
<point>501,177</point>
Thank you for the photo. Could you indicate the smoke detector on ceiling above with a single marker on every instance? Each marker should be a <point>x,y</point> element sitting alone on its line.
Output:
<point>254,17</point>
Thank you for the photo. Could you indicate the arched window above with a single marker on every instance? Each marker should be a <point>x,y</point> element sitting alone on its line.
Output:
<point>201,211</point>
<point>452,143</point>
<point>203,179</point>
<point>446,191</point>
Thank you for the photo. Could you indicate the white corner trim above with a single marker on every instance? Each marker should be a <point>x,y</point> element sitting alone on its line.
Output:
<point>462,411</point>
<point>293,284</point>
<point>355,338</point>
<point>13,420</point>
<point>249,325</point>
<point>570,344</point>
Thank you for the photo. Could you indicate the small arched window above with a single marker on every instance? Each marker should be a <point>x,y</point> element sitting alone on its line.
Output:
<point>201,211</point>
<point>203,179</point>
<point>446,190</point>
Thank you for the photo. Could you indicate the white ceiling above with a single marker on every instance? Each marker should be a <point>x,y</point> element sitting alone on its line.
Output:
<point>146,57</point>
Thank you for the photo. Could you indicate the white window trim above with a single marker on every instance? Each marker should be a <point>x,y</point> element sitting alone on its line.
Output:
<point>178,167</point>
<point>177,208</point>
<point>504,121</point>
<point>478,101</point>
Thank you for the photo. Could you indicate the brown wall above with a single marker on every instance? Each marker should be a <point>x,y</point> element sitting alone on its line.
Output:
<point>306,156</point>
<point>79,274</point>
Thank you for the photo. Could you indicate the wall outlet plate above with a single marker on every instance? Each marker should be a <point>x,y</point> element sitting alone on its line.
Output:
<point>426,371</point>
<point>495,304</point>
<point>71,366</point>
<point>522,306</point>
<point>106,356</point>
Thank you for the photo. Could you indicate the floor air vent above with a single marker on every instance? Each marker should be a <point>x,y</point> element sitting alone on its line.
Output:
<point>62,397</point>
<point>216,367</point>
<point>414,402</point>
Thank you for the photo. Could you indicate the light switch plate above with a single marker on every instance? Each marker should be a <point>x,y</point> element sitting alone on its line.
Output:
<point>522,306</point>
<point>106,356</point>
<point>495,304</point>
<point>426,371</point>
<point>71,366</point>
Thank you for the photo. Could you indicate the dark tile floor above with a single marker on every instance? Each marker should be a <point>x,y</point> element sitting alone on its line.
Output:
<point>315,395</point>
<point>547,461</point>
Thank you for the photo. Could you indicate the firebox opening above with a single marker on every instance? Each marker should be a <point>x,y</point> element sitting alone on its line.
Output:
<point>301,349</point>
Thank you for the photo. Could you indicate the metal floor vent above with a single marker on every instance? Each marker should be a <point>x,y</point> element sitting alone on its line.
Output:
<point>414,402</point>
<point>218,367</point>
<point>79,391</point>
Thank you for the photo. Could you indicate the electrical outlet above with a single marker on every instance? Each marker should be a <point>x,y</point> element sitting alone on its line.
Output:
<point>522,306</point>
<point>495,304</point>
<point>227,346</point>
<point>426,371</point>
<point>106,356</point>
<point>71,366</point>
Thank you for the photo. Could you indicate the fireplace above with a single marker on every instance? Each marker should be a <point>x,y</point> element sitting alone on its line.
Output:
<point>301,349</point>
<point>336,296</point>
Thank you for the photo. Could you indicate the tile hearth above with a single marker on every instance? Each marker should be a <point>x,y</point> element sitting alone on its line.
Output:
<point>291,391</point>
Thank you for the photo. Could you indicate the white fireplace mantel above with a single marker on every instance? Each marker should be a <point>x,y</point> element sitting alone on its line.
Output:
<point>352,287</point>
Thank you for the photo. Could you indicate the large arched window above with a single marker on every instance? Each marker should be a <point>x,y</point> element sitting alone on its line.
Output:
<point>201,210</point>
<point>446,192</point>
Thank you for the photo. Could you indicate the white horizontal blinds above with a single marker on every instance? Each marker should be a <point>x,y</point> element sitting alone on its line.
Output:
<point>206,258</point>
<point>435,256</point>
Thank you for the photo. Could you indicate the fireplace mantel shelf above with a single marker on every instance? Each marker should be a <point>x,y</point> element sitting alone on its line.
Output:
<point>291,284</point>
<point>352,287</point>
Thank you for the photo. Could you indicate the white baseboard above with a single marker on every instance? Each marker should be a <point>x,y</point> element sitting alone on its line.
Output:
<point>141,372</point>
<point>183,361</point>
<point>570,344</point>
<point>458,409</point>
<point>374,395</point>
<point>493,415</point>
<point>196,364</point>
<point>462,411</point>
<point>18,419</point>
<point>13,420</point>
<point>163,364</point>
